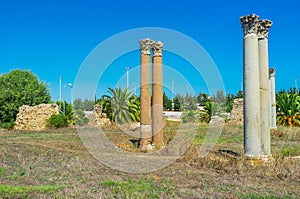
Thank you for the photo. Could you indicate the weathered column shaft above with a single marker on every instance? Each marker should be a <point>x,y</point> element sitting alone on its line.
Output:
<point>264,26</point>
<point>272,99</point>
<point>252,133</point>
<point>145,97</point>
<point>157,96</point>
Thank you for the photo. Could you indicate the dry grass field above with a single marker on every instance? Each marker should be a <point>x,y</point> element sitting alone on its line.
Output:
<point>55,164</point>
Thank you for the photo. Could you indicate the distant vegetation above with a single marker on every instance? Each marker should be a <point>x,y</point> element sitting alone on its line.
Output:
<point>68,116</point>
<point>288,108</point>
<point>18,88</point>
<point>21,87</point>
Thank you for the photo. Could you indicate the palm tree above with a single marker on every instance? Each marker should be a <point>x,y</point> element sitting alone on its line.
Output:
<point>134,108</point>
<point>288,109</point>
<point>210,109</point>
<point>121,106</point>
<point>188,116</point>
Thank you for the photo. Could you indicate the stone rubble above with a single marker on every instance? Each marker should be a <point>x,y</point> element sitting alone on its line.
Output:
<point>34,118</point>
<point>237,112</point>
<point>101,118</point>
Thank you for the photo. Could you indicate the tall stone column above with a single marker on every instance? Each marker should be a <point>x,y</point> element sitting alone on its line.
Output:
<point>272,99</point>
<point>263,30</point>
<point>252,133</point>
<point>145,97</point>
<point>157,95</point>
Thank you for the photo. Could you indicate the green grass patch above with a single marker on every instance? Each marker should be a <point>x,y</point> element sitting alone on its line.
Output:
<point>3,171</point>
<point>290,151</point>
<point>270,196</point>
<point>141,188</point>
<point>7,191</point>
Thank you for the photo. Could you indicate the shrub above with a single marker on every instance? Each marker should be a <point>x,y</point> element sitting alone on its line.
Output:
<point>19,88</point>
<point>57,121</point>
<point>189,116</point>
<point>80,118</point>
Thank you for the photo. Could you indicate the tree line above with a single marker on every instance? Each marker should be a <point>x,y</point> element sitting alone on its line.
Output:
<point>19,87</point>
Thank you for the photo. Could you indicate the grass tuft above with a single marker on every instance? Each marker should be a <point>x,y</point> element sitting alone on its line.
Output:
<point>7,191</point>
<point>141,188</point>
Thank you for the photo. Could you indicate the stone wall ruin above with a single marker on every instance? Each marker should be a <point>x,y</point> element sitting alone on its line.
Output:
<point>34,118</point>
<point>237,112</point>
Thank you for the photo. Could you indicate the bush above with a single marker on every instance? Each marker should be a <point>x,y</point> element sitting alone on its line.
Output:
<point>189,116</point>
<point>57,121</point>
<point>80,118</point>
<point>19,88</point>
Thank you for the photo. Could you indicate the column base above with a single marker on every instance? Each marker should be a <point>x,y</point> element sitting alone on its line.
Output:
<point>147,148</point>
<point>146,136</point>
<point>258,160</point>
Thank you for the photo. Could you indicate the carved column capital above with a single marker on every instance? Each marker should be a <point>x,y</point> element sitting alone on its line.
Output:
<point>250,24</point>
<point>146,45</point>
<point>263,28</point>
<point>272,72</point>
<point>157,48</point>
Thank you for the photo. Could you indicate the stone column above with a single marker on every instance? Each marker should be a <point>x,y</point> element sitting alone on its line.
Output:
<point>252,133</point>
<point>145,97</point>
<point>263,30</point>
<point>157,95</point>
<point>272,99</point>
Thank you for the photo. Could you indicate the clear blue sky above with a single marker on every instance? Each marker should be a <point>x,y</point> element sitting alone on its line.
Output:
<point>53,38</point>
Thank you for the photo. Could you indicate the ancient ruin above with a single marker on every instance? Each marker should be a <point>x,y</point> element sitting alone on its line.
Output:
<point>145,97</point>
<point>236,114</point>
<point>100,117</point>
<point>256,86</point>
<point>272,99</point>
<point>157,95</point>
<point>263,30</point>
<point>252,132</point>
<point>151,117</point>
<point>34,118</point>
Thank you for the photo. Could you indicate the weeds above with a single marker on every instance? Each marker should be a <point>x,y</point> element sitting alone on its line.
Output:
<point>141,188</point>
<point>33,163</point>
<point>23,191</point>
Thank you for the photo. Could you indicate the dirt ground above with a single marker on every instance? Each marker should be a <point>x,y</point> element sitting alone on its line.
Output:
<point>58,158</point>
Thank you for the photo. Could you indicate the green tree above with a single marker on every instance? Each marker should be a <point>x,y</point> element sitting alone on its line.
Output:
<point>80,118</point>
<point>167,103</point>
<point>121,106</point>
<point>288,109</point>
<point>190,102</point>
<point>177,104</point>
<point>220,98</point>
<point>105,102</point>
<point>202,98</point>
<point>86,105</point>
<point>78,104</point>
<point>293,91</point>
<point>229,102</point>
<point>17,88</point>
<point>239,94</point>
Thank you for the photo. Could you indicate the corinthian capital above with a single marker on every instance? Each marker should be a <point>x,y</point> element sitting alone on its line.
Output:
<point>263,28</point>
<point>157,48</point>
<point>272,72</point>
<point>250,23</point>
<point>146,45</point>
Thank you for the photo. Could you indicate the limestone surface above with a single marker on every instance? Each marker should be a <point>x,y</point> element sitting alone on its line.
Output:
<point>236,115</point>
<point>34,118</point>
